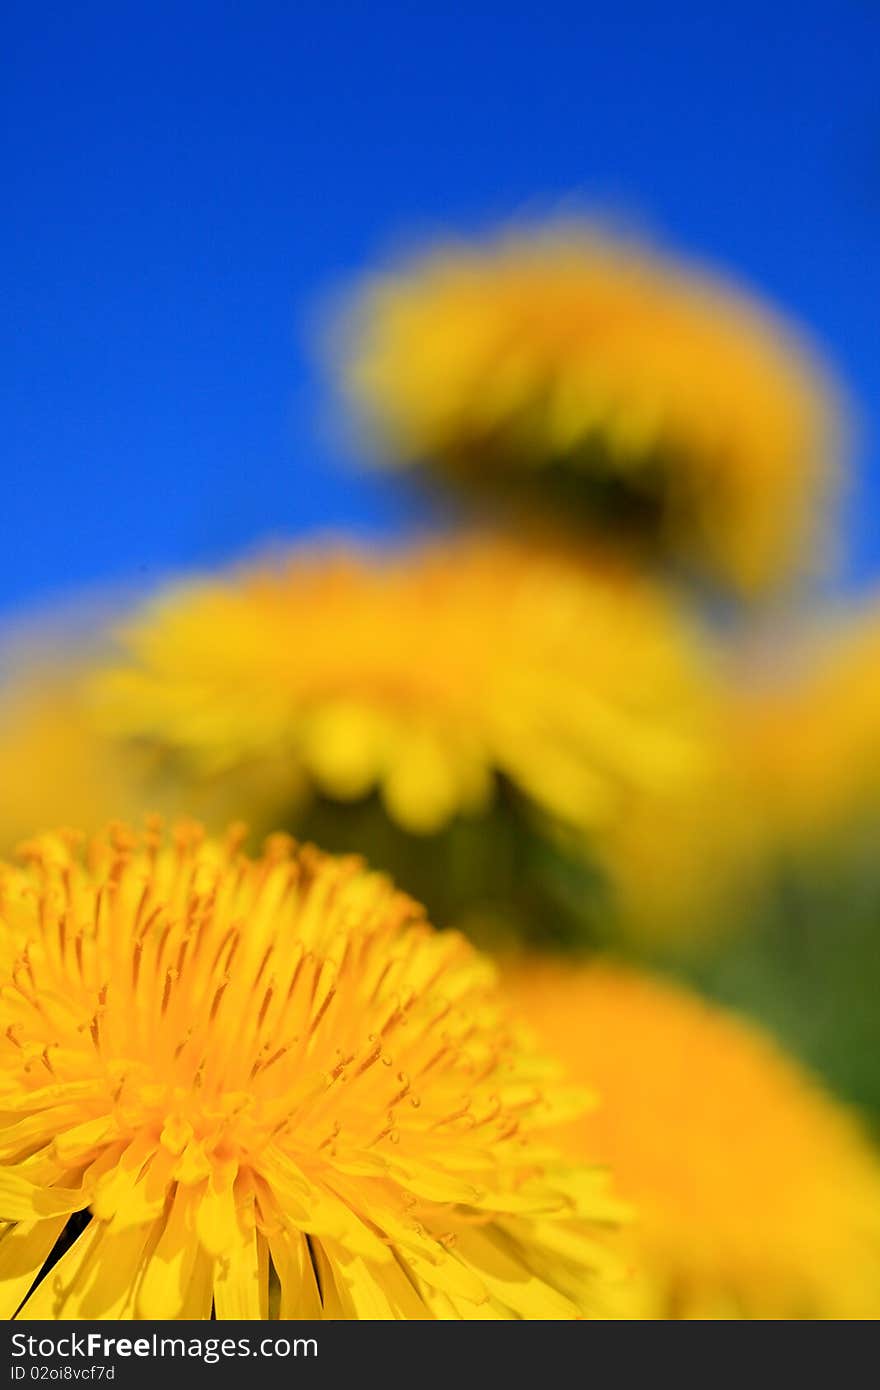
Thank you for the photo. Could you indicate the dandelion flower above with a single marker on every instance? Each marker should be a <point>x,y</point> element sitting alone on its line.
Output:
<point>757,1194</point>
<point>267,1083</point>
<point>428,675</point>
<point>610,383</point>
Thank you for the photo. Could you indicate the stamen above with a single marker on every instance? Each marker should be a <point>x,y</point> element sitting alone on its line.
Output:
<point>215,1005</point>
<point>330,996</point>
<point>370,1059</point>
<point>170,977</point>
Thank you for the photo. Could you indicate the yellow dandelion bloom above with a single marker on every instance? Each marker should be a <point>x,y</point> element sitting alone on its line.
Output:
<point>426,675</point>
<point>808,736</point>
<point>757,1194</point>
<point>268,1085</point>
<point>612,384</point>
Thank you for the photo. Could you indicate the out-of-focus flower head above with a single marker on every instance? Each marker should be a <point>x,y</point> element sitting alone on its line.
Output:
<point>807,731</point>
<point>429,674</point>
<point>58,766</point>
<point>267,1086</point>
<point>758,1195</point>
<point>685,861</point>
<point>611,383</point>
<point>54,761</point>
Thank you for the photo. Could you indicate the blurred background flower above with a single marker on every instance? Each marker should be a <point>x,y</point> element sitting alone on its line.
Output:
<point>514,702</point>
<point>565,370</point>
<point>533,694</point>
<point>806,726</point>
<point>758,1196</point>
<point>424,674</point>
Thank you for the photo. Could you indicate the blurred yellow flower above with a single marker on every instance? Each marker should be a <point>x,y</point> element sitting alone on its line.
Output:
<point>266,1085</point>
<point>611,383</point>
<point>685,859</point>
<point>59,767</point>
<point>758,1196</point>
<point>53,762</point>
<point>807,732</point>
<point>428,675</point>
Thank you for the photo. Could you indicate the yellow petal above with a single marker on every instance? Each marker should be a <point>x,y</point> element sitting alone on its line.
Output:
<point>215,1216</point>
<point>21,1200</point>
<point>177,1280</point>
<point>300,1296</point>
<point>419,788</point>
<point>509,1279</point>
<point>81,1141</point>
<point>375,1292</point>
<point>95,1278</point>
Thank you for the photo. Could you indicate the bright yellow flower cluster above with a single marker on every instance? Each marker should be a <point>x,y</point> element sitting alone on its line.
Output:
<point>427,675</point>
<point>271,1085</point>
<point>757,1195</point>
<point>567,364</point>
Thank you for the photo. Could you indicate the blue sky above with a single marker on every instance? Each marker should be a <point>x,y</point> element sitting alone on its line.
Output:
<point>185,181</point>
